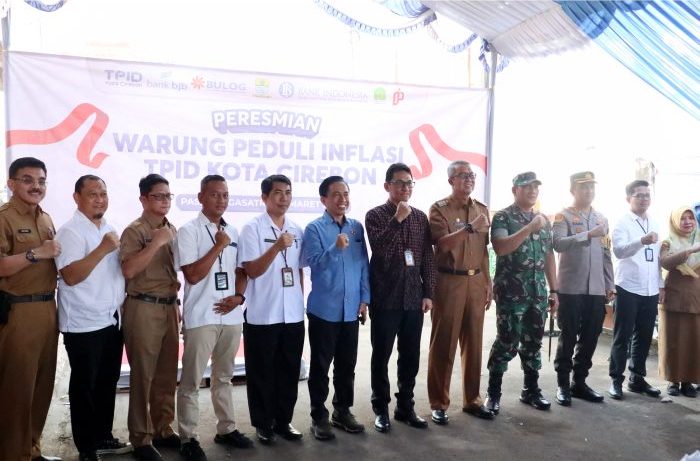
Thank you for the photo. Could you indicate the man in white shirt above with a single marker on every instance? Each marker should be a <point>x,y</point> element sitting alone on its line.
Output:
<point>639,289</point>
<point>207,249</point>
<point>90,293</point>
<point>273,332</point>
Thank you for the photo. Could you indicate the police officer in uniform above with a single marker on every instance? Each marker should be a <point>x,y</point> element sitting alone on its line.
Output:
<point>459,227</point>
<point>151,319</point>
<point>585,284</point>
<point>28,326</point>
<point>522,240</point>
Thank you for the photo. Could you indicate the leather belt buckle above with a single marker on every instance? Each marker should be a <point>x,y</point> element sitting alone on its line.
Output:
<point>472,271</point>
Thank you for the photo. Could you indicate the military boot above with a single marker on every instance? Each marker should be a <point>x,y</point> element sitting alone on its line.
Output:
<point>493,397</point>
<point>532,394</point>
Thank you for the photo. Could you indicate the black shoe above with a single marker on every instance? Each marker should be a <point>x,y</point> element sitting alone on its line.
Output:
<point>640,386</point>
<point>89,456</point>
<point>347,422</point>
<point>564,395</point>
<point>147,453</point>
<point>439,417</point>
<point>287,432</point>
<point>534,398</point>
<point>171,441</point>
<point>46,458</point>
<point>689,390</point>
<point>493,403</point>
<point>382,423</point>
<point>615,391</point>
<point>265,435</point>
<point>234,439</point>
<point>480,412</point>
<point>113,447</point>
<point>411,418</point>
<point>321,429</point>
<point>584,392</point>
<point>673,389</point>
<point>191,451</point>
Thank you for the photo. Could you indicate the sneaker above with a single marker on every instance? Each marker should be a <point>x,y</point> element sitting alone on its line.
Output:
<point>113,447</point>
<point>321,429</point>
<point>347,422</point>
<point>191,451</point>
<point>234,439</point>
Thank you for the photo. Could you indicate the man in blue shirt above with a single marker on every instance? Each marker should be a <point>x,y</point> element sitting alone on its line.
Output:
<point>335,250</point>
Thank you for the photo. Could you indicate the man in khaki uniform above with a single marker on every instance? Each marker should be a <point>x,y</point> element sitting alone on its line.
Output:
<point>28,328</point>
<point>150,323</point>
<point>459,227</point>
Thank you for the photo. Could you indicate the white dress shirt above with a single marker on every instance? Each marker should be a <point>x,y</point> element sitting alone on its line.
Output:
<point>267,301</point>
<point>89,305</point>
<point>633,272</point>
<point>194,240</point>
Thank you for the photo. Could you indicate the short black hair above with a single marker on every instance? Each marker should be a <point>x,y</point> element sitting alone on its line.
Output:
<point>25,162</point>
<point>326,184</point>
<point>146,184</point>
<point>394,167</point>
<point>629,189</point>
<point>210,178</point>
<point>80,183</point>
<point>266,184</point>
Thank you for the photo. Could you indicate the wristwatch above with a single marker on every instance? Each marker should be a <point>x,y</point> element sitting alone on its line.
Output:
<point>31,257</point>
<point>241,295</point>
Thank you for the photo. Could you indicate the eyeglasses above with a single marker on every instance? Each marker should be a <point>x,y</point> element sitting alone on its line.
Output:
<point>162,197</point>
<point>400,184</point>
<point>642,196</point>
<point>465,176</point>
<point>27,181</point>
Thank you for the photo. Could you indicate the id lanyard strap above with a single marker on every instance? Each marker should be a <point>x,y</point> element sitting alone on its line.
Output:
<point>284,252</point>
<point>219,256</point>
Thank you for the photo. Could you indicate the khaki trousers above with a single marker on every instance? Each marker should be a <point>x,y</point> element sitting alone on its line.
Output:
<point>28,343</point>
<point>220,342</point>
<point>152,342</point>
<point>457,315</point>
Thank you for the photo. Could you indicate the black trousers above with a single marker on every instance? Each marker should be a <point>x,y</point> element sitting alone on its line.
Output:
<point>580,319</point>
<point>95,361</point>
<point>635,317</point>
<point>332,342</point>
<point>272,363</point>
<point>387,325</point>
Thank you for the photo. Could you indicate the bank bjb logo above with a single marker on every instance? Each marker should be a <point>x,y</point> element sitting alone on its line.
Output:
<point>117,77</point>
<point>286,89</point>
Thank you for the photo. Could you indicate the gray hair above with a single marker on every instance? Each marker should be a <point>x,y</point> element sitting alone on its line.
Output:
<point>456,164</point>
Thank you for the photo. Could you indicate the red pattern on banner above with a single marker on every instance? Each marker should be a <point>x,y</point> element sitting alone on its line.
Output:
<point>67,127</point>
<point>441,147</point>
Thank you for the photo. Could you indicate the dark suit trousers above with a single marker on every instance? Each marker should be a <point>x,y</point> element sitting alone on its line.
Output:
<point>95,360</point>
<point>332,342</point>
<point>388,325</point>
<point>272,363</point>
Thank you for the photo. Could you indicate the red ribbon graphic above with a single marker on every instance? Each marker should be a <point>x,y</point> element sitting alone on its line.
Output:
<point>436,142</point>
<point>67,127</point>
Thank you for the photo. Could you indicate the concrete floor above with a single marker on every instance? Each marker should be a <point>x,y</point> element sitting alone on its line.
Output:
<point>636,428</point>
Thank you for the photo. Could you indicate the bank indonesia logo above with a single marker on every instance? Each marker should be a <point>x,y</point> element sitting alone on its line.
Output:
<point>286,89</point>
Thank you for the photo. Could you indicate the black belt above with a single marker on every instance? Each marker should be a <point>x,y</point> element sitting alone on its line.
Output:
<point>445,270</point>
<point>154,299</point>
<point>12,299</point>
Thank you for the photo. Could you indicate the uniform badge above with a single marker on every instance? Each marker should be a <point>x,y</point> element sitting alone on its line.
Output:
<point>24,231</point>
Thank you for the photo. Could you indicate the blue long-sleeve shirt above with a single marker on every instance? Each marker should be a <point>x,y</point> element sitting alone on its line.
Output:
<point>339,278</point>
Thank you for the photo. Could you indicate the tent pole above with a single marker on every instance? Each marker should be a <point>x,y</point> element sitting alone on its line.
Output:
<point>491,86</point>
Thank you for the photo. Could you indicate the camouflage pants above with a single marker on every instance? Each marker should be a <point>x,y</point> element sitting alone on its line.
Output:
<point>520,328</point>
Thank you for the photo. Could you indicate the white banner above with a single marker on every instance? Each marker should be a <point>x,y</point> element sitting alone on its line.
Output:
<point>123,120</point>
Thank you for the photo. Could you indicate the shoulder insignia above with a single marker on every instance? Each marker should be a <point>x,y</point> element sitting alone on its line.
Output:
<point>441,203</point>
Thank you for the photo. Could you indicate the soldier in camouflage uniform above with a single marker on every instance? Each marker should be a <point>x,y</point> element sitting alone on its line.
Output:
<point>522,240</point>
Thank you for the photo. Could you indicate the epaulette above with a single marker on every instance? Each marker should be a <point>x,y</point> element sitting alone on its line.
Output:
<point>4,206</point>
<point>442,203</point>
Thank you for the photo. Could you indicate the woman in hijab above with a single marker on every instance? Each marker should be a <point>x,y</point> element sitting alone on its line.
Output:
<point>679,316</point>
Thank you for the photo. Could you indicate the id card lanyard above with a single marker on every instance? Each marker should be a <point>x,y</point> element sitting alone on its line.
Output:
<point>221,277</point>
<point>408,259</point>
<point>287,272</point>
<point>648,252</point>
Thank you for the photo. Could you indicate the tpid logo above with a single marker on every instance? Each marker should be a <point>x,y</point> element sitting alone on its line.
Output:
<point>123,78</point>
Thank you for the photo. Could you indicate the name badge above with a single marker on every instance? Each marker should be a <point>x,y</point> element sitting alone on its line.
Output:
<point>408,258</point>
<point>221,280</point>
<point>287,277</point>
<point>649,254</point>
